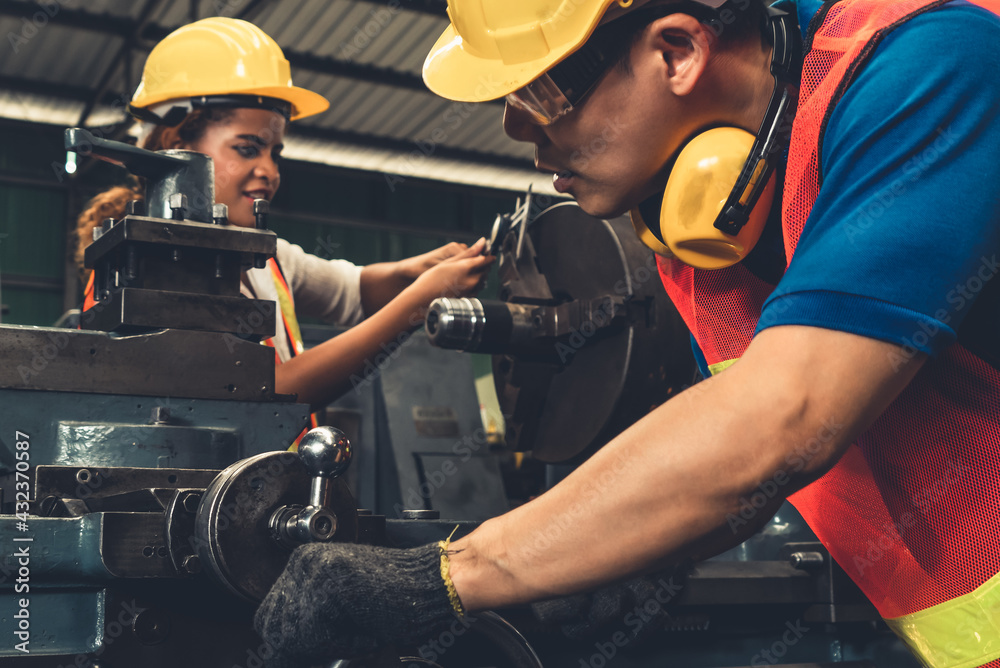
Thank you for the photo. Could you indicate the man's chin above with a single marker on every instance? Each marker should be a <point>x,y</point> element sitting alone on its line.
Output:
<point>601,208</point>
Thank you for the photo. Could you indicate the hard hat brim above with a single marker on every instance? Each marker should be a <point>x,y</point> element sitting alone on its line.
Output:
<point>304,102</point>
<point>453,73</point>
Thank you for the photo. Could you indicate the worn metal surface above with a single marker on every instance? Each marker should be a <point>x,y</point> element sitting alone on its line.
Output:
<point>62,623</point>
<point>134,545</point>
<point>163,446</point>
<point>254,427</point>
<point>170,363</point>
<point>131,309</point>
<point>90,482</point>
<point>183,233</point>
<point>65,550</point>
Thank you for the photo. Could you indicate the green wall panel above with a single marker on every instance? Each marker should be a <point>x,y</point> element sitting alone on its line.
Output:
<point>32,225</point>
<point>358,245</point>
<point>31,307</point>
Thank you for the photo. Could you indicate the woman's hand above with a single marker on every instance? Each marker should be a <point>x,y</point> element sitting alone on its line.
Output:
<point>460,275</point>
<point>412,267</point>
<point>323,373</point>
<point>381,282</point>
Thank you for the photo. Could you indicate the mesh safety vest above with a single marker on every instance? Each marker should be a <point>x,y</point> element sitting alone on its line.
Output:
<point>912,510</point>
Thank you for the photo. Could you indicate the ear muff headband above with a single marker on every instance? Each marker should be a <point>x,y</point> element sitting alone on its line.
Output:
<point>720,189</point>
<point>771,137</point>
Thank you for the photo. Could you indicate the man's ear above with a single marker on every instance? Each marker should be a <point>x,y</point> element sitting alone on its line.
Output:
<point>685,46</point>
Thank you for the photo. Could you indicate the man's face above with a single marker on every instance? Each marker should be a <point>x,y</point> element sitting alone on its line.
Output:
<point>609,152</point>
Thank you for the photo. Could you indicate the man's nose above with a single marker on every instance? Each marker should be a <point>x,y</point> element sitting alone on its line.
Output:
<point>519,125</point>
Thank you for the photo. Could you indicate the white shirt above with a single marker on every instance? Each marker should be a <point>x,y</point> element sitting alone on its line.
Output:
<point>325,289</point>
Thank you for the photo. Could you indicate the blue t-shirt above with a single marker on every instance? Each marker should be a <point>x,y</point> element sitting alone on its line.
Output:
<point>905,233</point>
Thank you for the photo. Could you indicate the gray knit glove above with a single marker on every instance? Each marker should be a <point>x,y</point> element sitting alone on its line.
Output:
<point>341,600</point>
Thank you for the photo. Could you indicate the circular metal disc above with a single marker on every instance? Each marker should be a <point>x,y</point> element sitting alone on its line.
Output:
<point>231,529</point>
<point>611,377</point>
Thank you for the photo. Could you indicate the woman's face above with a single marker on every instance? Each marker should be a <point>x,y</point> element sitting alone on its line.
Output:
<point>245,148</point>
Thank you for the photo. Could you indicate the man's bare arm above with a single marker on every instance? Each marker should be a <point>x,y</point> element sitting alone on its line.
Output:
<point>662,490</point>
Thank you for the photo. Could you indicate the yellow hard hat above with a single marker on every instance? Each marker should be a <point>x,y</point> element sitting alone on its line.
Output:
<point>494,47</point>
<point>221,56</point>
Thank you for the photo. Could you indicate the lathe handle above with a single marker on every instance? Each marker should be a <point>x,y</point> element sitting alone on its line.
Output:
<point>136,160</point>
<point>326,453</point>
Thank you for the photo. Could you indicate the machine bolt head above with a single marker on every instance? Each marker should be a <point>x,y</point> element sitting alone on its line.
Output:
<point>191,564</point>
<point>220,213</point>
<point>190,502</point>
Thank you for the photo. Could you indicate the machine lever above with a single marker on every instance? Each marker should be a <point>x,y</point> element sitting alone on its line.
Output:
<point>326,453</point>
<point>136,160</point>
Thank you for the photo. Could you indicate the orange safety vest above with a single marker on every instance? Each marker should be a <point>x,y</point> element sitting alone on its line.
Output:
<point>287,307</point>
<point>912,510</point>
<point>286,304</point>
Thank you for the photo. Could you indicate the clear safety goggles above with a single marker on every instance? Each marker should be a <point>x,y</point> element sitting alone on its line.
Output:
<point>543,100</point>
<point>564,86</point>
<point>555,93</point>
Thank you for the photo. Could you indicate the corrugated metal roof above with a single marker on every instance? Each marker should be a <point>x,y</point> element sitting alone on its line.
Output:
<point>365,57</point>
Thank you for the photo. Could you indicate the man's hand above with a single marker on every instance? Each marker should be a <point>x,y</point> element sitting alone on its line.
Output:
<point>341,600</point>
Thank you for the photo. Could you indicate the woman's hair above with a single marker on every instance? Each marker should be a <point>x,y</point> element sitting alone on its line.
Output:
<point>111,203</point>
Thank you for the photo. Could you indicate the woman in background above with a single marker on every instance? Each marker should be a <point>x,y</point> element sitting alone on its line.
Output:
<point>222,87</point>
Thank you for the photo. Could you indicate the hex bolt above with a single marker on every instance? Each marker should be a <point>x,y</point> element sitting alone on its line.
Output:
<point>191,564</point>
<point>261,207</point>
<point>179,205</point>
<point>190,502</point>
<point>161,415</point>
<point>135,208</point>
<point>220,213</point>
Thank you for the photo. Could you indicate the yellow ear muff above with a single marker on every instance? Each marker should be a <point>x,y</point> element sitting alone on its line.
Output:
<point>700,183</point>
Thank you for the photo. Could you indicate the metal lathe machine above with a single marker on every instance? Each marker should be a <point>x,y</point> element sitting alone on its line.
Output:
<point>149,497</point>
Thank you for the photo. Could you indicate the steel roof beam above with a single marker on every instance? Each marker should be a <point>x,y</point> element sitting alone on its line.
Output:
<point>409,147</point>
<point>73,18</point>
<point>146,34</point>
<point>120,60</point>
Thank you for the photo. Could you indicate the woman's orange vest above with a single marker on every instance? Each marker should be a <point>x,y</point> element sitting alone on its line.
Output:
<point>912,510</point>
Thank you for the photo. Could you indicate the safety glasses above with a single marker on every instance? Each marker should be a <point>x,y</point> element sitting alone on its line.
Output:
<point>564,86</point>
<point>555,93</point>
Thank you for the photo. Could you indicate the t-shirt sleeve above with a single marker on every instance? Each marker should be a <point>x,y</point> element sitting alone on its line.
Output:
<point>325,289</point>
<point>904,234</point>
